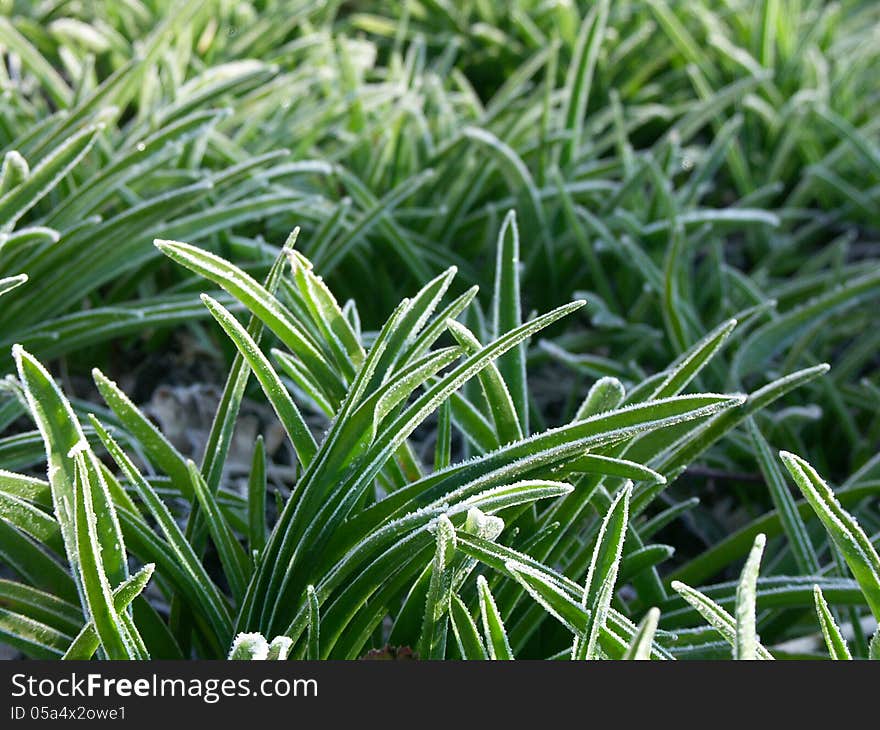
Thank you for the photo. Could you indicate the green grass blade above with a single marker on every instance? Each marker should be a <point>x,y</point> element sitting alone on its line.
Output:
<point>87,640</point>
<point>110,628</point>
<point>155,445</point>
<point>834,640</point>
<point>232,556</point>
<point>432,641</point>
<point>795,529</point>
<point>848,536</point>
<point>640,646</point>
<point>507,315</point>
<point>45,176</point>
<point>286,410</point>
<point>465,630</point>
<point>196,581</point>
<point>746,645</point>
<point>314,629</point>
<point>257,499</point>
<point>260,302</point>
<point>580,77</point>
<point>495,391</point>
<point>551,596</point>
<point>715,615</point>
<point>602,574</point>
<point>605,394</point>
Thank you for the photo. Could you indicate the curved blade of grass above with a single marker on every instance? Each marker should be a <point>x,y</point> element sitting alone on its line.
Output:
<point>848,536</point>
<point>344,344</point>
<point>31,521</point>
<point>605,394</point>
<point>638,560</point>
<point>232,556</point>
<point>40,606</point>
<point>62,432</point>
<point>613,466</point>
<point>507,315</point>
<point>260,302</point>
<point>8,283</point>
<point>30,636</point>
<point>46,175</point>
<point>580,77</point>
<point>834,640</point>
<point>196,580</point>
<point>551,597</point>
<point>686,368</point>
<point>283,405</point>
<point>443,445</point>
<point>87,641</point>
<point>402,346</point>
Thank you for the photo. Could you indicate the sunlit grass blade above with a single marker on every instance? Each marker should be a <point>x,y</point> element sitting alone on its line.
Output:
<point>551,596</point>
<point>640,646</point>
<point>746,646</point>
<point>61,433</point>
<point>834,640</point>
<point>259,301</point>
<point>113,634</point>
<point>197,585</point>
<point>495,391</point>
<point>507,315</point>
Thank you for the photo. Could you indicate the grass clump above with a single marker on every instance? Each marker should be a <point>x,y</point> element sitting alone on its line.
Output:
<point>485,468</point>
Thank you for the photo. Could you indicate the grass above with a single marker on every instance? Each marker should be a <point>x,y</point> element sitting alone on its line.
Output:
<point>485,468</point>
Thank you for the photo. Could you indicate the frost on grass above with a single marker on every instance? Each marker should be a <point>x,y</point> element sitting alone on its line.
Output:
<point>249,646</point>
